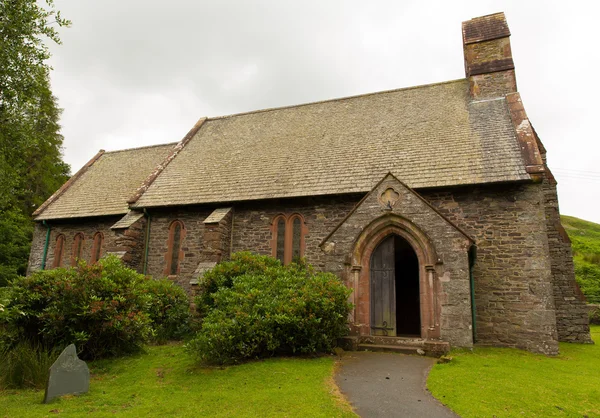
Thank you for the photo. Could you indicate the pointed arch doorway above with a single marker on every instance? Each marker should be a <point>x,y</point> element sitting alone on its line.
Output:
<point>394,289</point>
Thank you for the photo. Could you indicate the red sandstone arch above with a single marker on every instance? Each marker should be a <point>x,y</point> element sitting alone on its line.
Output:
<point>364,246</point>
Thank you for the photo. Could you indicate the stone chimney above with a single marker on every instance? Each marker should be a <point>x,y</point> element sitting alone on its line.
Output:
<point>488,58</point>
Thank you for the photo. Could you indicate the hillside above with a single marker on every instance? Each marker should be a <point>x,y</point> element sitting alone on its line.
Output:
<point>585,238</point>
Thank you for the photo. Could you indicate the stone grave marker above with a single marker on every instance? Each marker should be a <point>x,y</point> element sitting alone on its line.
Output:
<point>68,375</point>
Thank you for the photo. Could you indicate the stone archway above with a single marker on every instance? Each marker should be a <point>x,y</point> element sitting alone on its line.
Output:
<point>370,238</point>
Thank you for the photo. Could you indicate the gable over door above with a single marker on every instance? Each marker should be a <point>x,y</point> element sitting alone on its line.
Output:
<point>383,289</point>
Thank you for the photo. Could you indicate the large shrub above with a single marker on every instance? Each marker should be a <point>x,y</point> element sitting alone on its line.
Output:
<point>169,310</point>
<point>105,309</point>
<point>255,307</point>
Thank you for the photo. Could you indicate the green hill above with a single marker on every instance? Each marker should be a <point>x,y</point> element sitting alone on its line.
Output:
<point>585,238</point>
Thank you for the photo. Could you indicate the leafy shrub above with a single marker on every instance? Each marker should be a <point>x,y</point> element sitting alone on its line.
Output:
<point>106,309</point>
<point>25,366</point>
<point>169,310</point>
<point>102,308</point>
<point>594,312</point>
<point>255,307</point>
<point>588,278</point>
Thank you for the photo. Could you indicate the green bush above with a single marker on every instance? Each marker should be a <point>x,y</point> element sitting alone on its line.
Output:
<point>169,310</point>
<point>255,307</point>
<point>25,366</point>
<point>101,308</point>
<point>594,313</point>
<point>105,309</point>
<point>588,278</point>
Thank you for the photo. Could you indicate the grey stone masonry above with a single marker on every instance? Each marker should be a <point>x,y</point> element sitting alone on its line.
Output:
<point>572,321</point>
<point>513,281</point>
<point>126,243</point>
<point>440,246</point>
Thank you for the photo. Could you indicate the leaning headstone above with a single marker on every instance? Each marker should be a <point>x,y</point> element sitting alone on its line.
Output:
<point>68,375</point>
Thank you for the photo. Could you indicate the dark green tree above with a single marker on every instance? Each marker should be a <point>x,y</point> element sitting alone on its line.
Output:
<point>31,166</point>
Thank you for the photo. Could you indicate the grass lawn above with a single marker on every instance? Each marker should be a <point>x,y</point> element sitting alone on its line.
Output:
<point>513,383</point>
<point>164,382</point>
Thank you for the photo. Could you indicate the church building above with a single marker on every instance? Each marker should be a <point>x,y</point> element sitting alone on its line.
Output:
<point>434,204</point>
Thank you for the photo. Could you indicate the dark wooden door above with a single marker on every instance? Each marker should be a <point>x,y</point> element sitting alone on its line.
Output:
<point>383,289</point>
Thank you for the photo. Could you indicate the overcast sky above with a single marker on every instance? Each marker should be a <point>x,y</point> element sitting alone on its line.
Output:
<point>133,73</point>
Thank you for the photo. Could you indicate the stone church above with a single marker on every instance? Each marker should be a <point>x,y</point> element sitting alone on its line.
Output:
<point>433,203</point>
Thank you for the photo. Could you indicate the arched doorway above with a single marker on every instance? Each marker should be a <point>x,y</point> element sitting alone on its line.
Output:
<point>395,293</point>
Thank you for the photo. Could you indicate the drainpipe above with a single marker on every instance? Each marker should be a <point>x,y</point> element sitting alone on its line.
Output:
<point>45,253</point>
<point>472,257</point>
<point>148,219</point>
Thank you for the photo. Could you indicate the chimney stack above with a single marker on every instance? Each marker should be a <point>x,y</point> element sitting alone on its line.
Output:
<point>488,59</point>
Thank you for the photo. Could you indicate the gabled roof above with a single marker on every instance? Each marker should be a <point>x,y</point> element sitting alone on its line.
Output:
<point>430,136</point>
<point>103,186</point>
<point>407,189</point>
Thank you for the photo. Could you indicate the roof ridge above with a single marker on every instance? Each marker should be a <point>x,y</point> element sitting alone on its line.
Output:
<point>142,147</point>
<point>160,167</point>
<point>338,99</point>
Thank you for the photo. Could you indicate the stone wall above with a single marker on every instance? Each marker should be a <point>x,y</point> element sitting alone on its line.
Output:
<point>514,269</point>
<point>252,225</point>
<point>126,243</point>
<point>440,246</point>
<point>36,253</point>
<point>192,245</point>
<point>572,321</point>
<point>513,283</point>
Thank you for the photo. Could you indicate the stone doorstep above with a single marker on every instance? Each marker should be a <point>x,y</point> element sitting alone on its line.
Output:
<point>432,348</point>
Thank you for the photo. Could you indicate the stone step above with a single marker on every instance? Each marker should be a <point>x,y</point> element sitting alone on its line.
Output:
<point>403,349</point>
<point>381,340</point>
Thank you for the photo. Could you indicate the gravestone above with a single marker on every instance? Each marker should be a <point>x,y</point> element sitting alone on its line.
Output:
<point>68,375</point>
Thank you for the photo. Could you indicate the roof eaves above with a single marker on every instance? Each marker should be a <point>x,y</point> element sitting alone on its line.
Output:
<point>68,184</point>
<point>159,168</point>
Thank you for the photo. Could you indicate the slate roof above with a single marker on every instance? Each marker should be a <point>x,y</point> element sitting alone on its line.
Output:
<point>103,186</point>
<point>427,136</point>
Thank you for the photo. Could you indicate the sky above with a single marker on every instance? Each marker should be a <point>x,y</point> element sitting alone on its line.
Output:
<point>134,73</point>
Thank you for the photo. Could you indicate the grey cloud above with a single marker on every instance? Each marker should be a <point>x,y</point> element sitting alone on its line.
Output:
<point>135,72</point>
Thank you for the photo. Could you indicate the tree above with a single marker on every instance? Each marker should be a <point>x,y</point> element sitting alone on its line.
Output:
<point>31,166</point>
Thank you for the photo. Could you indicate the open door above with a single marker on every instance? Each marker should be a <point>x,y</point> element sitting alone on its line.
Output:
<point>383,289</point>
<point>395,296</point>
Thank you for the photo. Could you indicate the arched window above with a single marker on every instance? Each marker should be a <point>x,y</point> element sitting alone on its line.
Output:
<point>174,247</point>
<point>288,237</point>
<point>58,251</point>
<point>97,247</point>
<point>77,248</point>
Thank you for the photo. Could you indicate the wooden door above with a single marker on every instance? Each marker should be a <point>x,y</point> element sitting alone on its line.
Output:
<point>383,289</point>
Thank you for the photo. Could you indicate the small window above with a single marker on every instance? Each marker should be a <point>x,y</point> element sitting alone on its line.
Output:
<point>58,251</point>
<point>174,248</point>
<point>296,238</point>
<point>97,247</point>
<point>280,232</point>
<point>77,248</point>
<point>288,237</point>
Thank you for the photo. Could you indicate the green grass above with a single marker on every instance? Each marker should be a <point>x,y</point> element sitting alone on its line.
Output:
<point>585,240</point>
<point>165,382</point>
<point>513,383</point>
